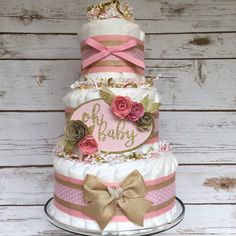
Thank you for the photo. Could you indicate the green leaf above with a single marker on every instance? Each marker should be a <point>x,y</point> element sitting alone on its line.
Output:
<point>107,95</point>
<point>62,143</point>
<point>69,148</point>
<point>145,103</point>
<point>154,107</point>
<point>91,129</point>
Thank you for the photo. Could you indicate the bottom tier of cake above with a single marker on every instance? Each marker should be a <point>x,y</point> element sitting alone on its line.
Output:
<point>158,175</point>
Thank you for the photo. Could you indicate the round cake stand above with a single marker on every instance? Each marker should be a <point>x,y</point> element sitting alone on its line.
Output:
<point>178,217</point>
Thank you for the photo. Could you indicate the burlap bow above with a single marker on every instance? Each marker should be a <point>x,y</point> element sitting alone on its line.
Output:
<point>103,202</point>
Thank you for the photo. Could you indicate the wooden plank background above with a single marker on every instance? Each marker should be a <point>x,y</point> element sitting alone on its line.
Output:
<point>191,46</point>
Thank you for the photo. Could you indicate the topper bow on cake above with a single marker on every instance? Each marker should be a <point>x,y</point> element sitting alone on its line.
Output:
<point>104,202</point>
<point>118,51</point>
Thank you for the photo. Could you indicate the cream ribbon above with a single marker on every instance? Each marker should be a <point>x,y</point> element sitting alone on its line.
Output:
<point>103,201</point>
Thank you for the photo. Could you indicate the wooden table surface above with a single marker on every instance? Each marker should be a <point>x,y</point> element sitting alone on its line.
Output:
<point>190,44</point>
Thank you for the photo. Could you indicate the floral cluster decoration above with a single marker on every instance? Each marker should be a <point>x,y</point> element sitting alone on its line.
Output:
<point>79,135</point>
<point>124,108</point>
<point>110,9</point>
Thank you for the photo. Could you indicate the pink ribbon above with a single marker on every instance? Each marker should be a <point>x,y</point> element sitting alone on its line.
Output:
<point>106,51</point>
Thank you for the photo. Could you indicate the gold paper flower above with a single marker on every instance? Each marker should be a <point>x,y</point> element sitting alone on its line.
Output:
<point>75,131</point>
<point>145,122</point>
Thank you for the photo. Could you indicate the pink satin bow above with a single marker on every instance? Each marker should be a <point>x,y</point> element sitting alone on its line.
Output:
<point>118,51</point>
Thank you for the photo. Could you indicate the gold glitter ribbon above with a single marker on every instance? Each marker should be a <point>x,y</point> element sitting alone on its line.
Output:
<point>112,63</point>
<point>129,197</point>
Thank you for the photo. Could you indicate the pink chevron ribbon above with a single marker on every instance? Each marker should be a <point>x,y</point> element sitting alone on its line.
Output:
<point>104,51</point>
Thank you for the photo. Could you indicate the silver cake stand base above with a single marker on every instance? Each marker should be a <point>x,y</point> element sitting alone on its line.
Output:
<point>178,217</point>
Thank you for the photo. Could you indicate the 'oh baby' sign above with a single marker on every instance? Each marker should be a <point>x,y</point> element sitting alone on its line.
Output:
<point>114,135</point>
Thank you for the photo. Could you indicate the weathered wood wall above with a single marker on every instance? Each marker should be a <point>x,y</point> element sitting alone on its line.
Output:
<point>190,44</point>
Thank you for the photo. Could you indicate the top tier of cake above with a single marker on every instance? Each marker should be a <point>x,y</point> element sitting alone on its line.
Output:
<point>112,48</point>
<point>113,27</point>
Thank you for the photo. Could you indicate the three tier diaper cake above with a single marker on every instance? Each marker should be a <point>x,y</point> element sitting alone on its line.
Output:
<point>112,172</point>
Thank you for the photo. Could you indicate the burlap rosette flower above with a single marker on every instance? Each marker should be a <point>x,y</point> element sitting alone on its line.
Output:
<point>145,122</point>
<point>75,131</point>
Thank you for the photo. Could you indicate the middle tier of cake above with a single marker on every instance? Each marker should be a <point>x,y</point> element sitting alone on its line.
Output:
<point>147,147</point>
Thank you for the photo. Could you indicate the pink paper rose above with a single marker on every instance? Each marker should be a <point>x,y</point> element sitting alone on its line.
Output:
<point>121,106</point>
<point>137,111</point>
<point>88,145</point>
